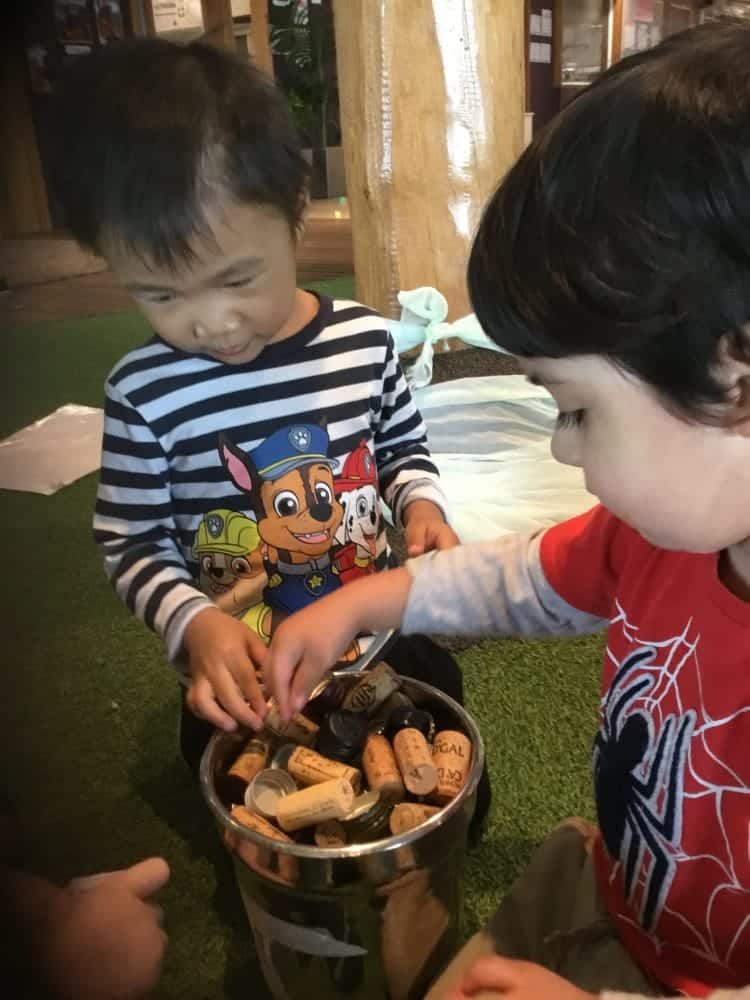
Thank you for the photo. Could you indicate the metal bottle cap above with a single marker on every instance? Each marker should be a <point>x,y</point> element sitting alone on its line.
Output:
<point>343,735</point>
<point>410,718</point>
<point>368,817</point>
<point>326,698</point>
<point>266,789</point>
<point>280,759</point>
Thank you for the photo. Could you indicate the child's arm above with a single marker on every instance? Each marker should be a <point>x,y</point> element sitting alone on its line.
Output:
<point>495,976</point>
<point>136,532</point>
<point>490,588</point>
<point>409,480</point>
<point>97,939</point>
<point>306,645</point>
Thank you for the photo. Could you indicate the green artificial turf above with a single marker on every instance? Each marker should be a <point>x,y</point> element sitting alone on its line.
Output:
<point>90,708</point>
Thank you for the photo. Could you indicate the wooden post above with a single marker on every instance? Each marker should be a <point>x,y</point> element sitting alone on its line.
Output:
<point>141,17</point>
<point>217,24</point>
<point>23,193</point>
<point>432,103</point>
<point>262,55</point>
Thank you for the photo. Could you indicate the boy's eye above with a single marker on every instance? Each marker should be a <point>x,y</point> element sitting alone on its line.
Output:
<point>569,418</point>
<point>158,298</point>
<point>238,283</point>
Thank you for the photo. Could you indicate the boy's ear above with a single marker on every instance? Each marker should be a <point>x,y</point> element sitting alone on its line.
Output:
<point>239,466</point>
<point>304,203</point>
<point>734,372</point>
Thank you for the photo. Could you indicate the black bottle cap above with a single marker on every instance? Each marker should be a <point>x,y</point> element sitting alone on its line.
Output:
<point>325,701</point>
<point>342,735</point>
<point>410,718</point>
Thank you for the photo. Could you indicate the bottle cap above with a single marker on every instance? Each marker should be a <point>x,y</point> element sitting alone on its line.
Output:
<point>379,719</point>
<point>326,698</point>
<point>280,759</point>
<point>342,736</point>
<point>266,789</point>
<point>368,817</point>
<point>410,718</point>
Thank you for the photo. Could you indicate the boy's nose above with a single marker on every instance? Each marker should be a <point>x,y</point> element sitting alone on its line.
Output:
<point>210,328</point>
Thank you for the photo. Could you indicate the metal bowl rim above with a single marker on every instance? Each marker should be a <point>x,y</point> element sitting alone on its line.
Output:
<point>354,851</point>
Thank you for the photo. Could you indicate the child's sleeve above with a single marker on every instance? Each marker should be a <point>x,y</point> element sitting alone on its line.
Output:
<point>405,469</point>
<point>560,582</point>
<point>134,527</point>
<point>741,994</point>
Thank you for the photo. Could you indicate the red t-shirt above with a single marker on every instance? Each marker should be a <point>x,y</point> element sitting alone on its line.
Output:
<point>672,756</point>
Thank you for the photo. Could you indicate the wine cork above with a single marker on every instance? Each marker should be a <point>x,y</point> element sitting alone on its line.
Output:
<point>313,805</point>
<point>414,758</point>
<point>408,815</point>
<point>374,687</point>
<point>298,729</point>
<point>451,755</point>
<point>330,834</point>
<point>381,768</point>
<point>254,822</point>
<point>251,760</point>
<point>311,768</point>
<point>267,861</point>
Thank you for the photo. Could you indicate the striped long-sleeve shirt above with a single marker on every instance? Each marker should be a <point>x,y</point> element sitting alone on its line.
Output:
<point>263,479</point>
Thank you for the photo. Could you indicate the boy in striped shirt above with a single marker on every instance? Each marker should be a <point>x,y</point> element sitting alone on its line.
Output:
<point>248,443</point>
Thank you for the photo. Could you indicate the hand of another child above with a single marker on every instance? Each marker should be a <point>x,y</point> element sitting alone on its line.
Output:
<point>496,976</point>
<point>304,648</point>
<point>104,940</point>
<point>224,654</point>
<point>425,528</point>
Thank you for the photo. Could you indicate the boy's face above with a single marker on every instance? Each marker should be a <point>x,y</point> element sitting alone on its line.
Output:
<point>238,294</point>
<point>683,486</point>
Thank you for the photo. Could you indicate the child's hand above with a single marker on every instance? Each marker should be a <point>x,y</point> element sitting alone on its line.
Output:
<point>224,654</point>
<point>104,940</point>
<point>496,976</point>
<point>304,648</point>
<point>425,528</point>
<point>310,642</point>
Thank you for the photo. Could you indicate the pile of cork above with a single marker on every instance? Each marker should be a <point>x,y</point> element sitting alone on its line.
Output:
<point>359,763</point>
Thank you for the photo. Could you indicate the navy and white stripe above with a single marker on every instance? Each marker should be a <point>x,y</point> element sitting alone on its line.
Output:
<point>164,412</point>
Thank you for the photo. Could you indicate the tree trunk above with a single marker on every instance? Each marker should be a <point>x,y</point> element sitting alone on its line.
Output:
<point>432,103</point>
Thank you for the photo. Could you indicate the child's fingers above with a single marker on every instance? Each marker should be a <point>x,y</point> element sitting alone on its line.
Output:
<point>257,649</point>
<point>258,652</point>
<point>146,877</point>
<point>416,538</point>
<point>445,537</point>
<point>202,702</point>
<point>491,973</point>
<point>306,676</point>
<point>230,689</point>
<point>279,668</point>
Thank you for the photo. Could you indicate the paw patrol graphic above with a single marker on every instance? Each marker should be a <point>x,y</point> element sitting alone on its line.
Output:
<point>358,534</point>
<point>288,479</point>
<point>232,572</point>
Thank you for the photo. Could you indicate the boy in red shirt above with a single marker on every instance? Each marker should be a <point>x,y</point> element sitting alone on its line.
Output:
<point>614,261</point>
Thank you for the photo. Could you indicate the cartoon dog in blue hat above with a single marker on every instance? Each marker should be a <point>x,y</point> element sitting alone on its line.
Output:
<point>289,481</point>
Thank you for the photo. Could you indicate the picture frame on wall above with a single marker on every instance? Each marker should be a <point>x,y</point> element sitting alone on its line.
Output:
<point>73,22</point>
<point>110,26</point>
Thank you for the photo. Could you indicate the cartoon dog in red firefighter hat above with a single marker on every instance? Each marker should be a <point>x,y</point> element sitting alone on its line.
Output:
<point>357,489</point>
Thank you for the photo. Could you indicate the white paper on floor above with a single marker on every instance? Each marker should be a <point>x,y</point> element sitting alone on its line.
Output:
<point>53,451</point>
<point>490,439</point>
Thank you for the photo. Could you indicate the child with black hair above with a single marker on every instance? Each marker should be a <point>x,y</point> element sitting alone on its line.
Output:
<point>248,443</point>
<point>614,261</point>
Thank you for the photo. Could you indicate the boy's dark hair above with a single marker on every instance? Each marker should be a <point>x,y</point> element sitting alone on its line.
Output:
<point>151,134</point>
<point>624,229</point>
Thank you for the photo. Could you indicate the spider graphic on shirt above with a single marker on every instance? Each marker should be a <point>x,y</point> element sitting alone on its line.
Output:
<point>639,781</point>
